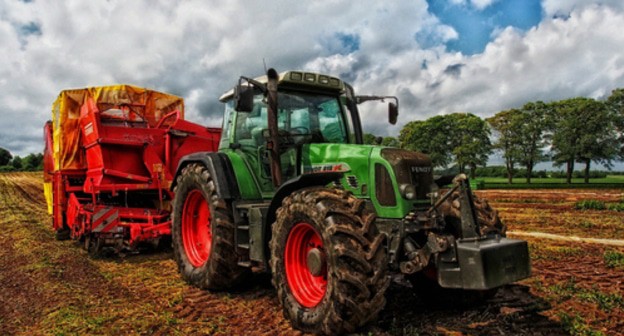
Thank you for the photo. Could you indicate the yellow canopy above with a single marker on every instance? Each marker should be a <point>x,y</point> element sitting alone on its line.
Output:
<point>149,105</point>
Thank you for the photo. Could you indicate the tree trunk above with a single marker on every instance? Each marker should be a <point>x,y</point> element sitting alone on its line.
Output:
<point>587,163</point>
<point>529,168</point>
<point>510,167</point>
<point>570,169</point>
<point>473,170</point>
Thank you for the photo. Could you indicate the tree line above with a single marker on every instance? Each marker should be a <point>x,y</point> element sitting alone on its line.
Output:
<point>577,130</point>
<point>30,162</point>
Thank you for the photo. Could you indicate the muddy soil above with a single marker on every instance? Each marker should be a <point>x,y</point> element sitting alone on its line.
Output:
<point>51,287</point>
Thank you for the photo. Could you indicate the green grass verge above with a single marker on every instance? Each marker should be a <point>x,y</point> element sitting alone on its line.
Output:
<point>611,182</point>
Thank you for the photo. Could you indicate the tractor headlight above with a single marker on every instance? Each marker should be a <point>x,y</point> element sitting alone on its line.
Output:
<point>408,191</point>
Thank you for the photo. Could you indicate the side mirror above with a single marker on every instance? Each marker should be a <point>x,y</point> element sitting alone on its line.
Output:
<point>244,98</point>
<point>393,113</point>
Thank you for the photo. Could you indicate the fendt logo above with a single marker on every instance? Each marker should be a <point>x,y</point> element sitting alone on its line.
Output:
<point>421,169</point>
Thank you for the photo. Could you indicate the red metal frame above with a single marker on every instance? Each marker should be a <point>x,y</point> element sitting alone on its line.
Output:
<point>123,192</point>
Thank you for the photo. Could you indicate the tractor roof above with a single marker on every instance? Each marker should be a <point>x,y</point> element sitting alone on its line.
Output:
<point>298,79</point>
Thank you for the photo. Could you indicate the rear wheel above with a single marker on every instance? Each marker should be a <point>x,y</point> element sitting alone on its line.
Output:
<point>329,261</point>
<point>203,232</point>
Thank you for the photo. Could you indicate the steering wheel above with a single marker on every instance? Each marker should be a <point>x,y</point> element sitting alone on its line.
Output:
<point>295,131</point>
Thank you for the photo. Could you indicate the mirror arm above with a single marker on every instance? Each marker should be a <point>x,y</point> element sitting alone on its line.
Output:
<point>253,82</point>
<point>362,99</point>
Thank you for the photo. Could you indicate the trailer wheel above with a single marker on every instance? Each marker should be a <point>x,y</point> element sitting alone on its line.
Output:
<point>203,232</point>
<point>63,233</point>
<point>329,261</point>
<point>94,245</point>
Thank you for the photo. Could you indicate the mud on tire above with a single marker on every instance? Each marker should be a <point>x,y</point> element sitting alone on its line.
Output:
<point>487,217</point>
<point>355,261</point>
<point>218,269</point>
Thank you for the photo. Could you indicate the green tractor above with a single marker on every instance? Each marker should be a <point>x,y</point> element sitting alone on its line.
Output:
<point>294,191</point>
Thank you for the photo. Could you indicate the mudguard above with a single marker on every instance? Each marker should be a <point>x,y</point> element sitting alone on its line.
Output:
<point>220,169</point>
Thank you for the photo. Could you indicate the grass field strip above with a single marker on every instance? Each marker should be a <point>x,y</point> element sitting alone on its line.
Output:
<point>602,241</point>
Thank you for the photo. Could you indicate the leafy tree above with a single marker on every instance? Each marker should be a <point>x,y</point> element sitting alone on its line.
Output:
<point>5,157</point>
<point>615,103</point>
<point>531,125</point>
<point>506,125</point>
<point>370,139</point>
<point>33,162</point>
<point>599,142</point>
<point>390,142</point>
<point>430,137</point>
<point>470,141</point>
<point>17,162</point>
<point>584,130</point>
<point>462,138</point>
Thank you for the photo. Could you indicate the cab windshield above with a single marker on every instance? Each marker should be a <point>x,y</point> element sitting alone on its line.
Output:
<point>306,118</point>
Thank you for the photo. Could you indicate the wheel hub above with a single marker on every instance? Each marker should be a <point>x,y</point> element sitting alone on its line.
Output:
<point>317,262</point>
<point>305,265</point>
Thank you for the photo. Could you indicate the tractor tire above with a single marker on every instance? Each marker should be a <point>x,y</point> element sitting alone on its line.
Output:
<point>203,232</point>
<point>329,261</point>
<point>487,217</point>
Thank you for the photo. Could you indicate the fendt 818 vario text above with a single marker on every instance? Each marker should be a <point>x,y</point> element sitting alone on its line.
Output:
<point>290,190</point>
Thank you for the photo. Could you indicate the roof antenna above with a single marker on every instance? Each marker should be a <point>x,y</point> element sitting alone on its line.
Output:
<point>264,62</point>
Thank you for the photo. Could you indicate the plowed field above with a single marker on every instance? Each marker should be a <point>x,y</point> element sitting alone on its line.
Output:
<point>51,287</point>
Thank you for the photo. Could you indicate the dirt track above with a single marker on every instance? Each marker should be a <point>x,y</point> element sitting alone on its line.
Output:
<point>51,287</point>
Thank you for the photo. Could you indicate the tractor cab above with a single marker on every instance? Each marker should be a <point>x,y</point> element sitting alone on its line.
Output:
<point>309,109</point>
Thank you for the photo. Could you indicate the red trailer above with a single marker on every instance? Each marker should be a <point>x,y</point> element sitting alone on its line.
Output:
<point>110,157</point>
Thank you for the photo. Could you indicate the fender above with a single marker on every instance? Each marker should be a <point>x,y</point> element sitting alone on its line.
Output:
<point>219,167</point>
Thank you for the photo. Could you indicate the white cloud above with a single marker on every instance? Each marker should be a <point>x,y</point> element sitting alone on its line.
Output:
<point>198,50</point>
<point>482,4</point>
<point>565,7</point>
<point>478,4</point>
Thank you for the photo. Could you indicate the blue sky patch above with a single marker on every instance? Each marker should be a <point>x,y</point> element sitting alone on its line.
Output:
<point>475,27</point>
<point>342,43</point>
<point>349,42</point>
<point>30,29</point>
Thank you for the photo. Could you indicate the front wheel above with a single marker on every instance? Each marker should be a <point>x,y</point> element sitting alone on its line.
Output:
<point>329,261</point>
<point>203,232</point>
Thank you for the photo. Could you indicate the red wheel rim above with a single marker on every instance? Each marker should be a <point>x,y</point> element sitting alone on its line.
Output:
<point>196,233</point>
<point>307,289</point>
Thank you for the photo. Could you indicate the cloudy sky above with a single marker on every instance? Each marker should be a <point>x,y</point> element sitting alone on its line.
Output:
<point>478,56</point>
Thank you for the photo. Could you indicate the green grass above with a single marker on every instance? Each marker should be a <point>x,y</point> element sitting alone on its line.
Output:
<point>590,205</point>
<point>614,259</point>
<point>611,181</point>
<point>576,326</point>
